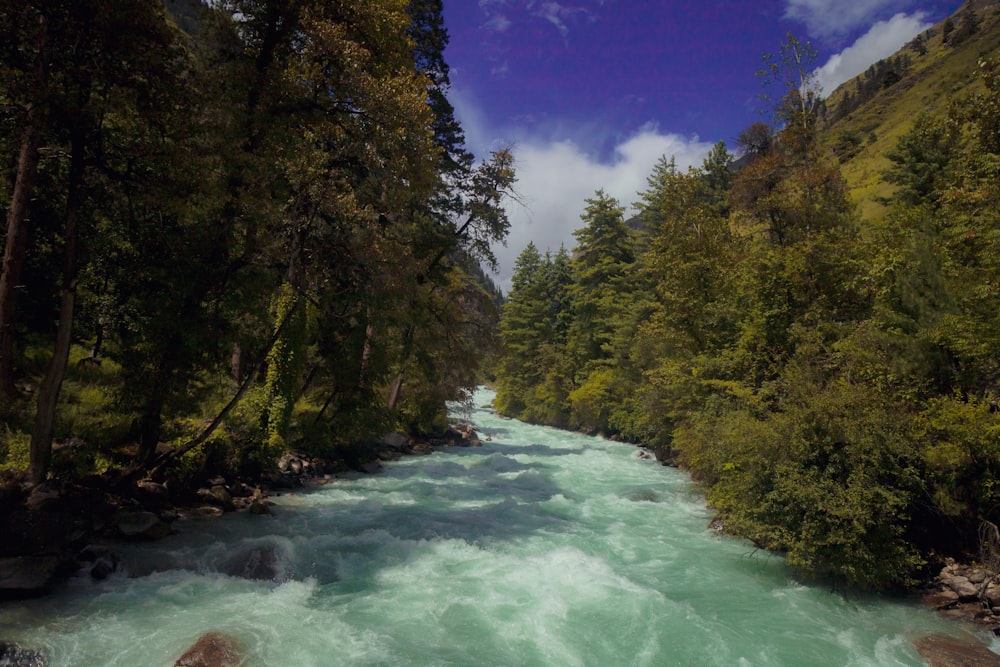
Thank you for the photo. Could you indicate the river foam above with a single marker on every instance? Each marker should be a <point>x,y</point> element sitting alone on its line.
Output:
<point>539,548</point>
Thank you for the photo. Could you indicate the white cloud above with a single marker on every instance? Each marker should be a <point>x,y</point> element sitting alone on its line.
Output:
<point>555,179</point>
<point>881,41</point>
<point>558,14</point>
<point>498,23</point>
<point>561,16</point>
<point>833,18</point>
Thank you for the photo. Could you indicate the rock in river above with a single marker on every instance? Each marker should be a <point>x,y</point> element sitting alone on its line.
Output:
<point>12,655</point>
<point>944,651</point>
<point>30,576</point>
<point>212,649</point>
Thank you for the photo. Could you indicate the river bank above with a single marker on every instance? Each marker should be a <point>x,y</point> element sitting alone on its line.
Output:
<point>59,528</point>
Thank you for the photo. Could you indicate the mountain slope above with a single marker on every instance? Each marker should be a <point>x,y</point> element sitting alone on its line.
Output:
<point>866,116</point>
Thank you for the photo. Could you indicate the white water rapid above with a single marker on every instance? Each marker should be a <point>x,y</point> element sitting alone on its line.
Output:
<point>540,548</point>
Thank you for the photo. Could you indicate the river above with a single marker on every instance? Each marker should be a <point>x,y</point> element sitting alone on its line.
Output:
<point>539,548</point>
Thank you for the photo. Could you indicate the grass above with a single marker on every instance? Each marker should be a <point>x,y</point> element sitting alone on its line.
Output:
<point>943,74</point>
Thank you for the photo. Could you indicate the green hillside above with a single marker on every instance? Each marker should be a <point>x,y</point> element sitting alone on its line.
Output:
<point>938,66</point>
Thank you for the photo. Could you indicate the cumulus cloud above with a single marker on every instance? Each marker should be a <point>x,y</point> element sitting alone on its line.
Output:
<point>881,41</point>
<point>555,179</point>
<point>834,18</point>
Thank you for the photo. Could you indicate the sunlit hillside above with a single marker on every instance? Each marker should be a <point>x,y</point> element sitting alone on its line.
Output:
<point>866,116</point>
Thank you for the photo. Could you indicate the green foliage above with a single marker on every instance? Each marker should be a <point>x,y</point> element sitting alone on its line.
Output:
<point>531,376</point>
<point>285,363</point>
<point>14,448</point>
<point>962,452</point>
<point>592,401</point>
<point>830,381</point>
<point>827,478</point>
<point>275,211</point>
<point>921,160</point>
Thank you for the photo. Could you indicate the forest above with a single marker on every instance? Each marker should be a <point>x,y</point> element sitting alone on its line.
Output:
<point>830,381</point>
<point>246,227</point>
<point>233,229</point>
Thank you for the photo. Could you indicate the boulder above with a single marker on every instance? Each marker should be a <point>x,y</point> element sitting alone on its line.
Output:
<point>966,589</point>
<point>944,651</point>
<point>993,594</point>
<point>30,576</point>
<point>371,468</point>
<point>212,649</point>
<point>977,576</point>
<point>142,526</point>
<point>12,655</point>
<point>395,440</point>
<point>241,490</point>
<point>469,436</point>
<point>941,599</point>
<point>451,436</point>
<point>256,563</point>
<point>103,561</point>
<point>103,568</point>
<point>290,464</point>
<point>259,506</point>
<point>152,495</point>
<point>222,497</point>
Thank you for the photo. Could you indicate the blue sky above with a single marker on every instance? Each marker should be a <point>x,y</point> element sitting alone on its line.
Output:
<point>590,93</point>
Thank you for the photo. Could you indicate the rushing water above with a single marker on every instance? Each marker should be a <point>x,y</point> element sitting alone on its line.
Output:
<point>539,548</point>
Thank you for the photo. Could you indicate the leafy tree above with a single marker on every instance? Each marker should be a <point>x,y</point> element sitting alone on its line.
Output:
<point>601,267</point>
<point>921,160</point>
<point>531,370</point>
<point>831,384</point>
<point>756,140</point>
<point>717,174</point>
<point>687,266</point>
<point>793,70</point>
<point>27,30</point>
<point>79,99</point>
<point>209,179</point>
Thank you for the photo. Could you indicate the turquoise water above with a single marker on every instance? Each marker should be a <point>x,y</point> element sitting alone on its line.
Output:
<point>540,548</point>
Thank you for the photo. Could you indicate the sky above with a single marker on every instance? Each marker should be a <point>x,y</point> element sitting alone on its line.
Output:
<point>591,93</point>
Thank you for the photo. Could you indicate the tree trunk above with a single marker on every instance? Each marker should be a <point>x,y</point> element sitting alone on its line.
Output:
<point>20,205</point>
<point>236,363</point>
<point>48,391</point>
<point>395,391</point>
<point>366,353</point>
<point>397,383</point>
<point>151,421</point>
<point>95,349</point>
